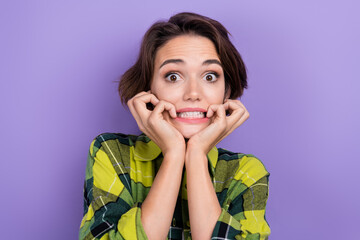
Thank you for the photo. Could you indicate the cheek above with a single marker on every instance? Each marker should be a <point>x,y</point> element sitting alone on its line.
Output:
<point>157,89</point>
<point>165,93</point>
<point>168,96</point>
<point>216,96</point>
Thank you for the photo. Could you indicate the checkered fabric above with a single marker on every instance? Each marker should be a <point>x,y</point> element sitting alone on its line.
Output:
<point>121,169</point>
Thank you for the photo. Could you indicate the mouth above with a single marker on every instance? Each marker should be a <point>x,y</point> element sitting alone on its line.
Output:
<point>191,115</point>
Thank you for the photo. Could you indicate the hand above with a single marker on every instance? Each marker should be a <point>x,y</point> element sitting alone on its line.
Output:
<point>153,124</point>
<point>220,126</point>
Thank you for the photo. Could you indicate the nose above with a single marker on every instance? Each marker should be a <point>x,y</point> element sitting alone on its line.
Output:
<point>192,90</point>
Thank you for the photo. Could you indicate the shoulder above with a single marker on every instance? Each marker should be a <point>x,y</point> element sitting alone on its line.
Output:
<point>119,137</point>
<point>111,151</point>
<point>247,167</point>
<point>111,141</point>
<point>112,147</point>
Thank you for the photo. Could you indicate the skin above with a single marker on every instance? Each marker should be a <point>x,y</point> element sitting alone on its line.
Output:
<point>185,144</point>
<point>190,87</point>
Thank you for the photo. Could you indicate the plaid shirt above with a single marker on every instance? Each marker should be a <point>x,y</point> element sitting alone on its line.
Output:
<point>121,169</point>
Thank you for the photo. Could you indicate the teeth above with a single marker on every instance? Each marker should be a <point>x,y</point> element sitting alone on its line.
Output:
<point>191,115</point>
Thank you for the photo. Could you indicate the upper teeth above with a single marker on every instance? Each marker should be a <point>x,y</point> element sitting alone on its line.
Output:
<point>191,114</point>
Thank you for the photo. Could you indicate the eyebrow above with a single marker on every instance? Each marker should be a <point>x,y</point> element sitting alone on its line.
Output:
<point>206,62</point>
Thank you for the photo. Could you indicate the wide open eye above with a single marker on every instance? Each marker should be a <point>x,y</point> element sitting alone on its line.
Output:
<point>211,77</point>
<point>172,77</point>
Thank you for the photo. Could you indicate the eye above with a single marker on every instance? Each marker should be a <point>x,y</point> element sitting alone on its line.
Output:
<point>211,77</point>
<point>172,77</point>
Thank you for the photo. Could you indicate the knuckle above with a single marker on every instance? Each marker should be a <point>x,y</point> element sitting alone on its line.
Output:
<point>242,111</point>
<point>163,102</point>
<point>216,107</point>
<point>138,94</point>
<point>246,114</point>
<point>136,101</point>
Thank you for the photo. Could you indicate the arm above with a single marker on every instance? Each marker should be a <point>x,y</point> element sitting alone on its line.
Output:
<point>158,207</point>
<point>243,217</point>
<point>159,204</point>
<point>109,209</point>
<point>230,224</point>
<point>204,207</point>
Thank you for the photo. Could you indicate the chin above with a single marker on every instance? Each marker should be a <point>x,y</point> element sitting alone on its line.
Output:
<point>189,132</point>
<point>188,135</point>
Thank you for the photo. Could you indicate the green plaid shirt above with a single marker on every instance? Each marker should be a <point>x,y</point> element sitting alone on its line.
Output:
<point>121,169</point>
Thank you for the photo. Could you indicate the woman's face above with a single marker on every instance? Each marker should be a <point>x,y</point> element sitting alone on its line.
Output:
<point>188,74</point>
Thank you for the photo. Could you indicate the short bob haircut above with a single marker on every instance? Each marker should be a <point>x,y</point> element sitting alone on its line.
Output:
<point>138,77</point>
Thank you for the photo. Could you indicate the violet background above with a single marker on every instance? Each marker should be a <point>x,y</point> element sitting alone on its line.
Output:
<point>60,61</point>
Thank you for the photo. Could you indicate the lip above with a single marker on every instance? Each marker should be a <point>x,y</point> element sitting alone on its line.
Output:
<point>192,120</point>
<point>191,110</point>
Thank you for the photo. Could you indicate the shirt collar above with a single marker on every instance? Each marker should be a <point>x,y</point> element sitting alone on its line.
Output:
<point>146,150</point>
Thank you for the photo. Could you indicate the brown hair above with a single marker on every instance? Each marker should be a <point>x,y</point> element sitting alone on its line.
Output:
<point>138,78</point>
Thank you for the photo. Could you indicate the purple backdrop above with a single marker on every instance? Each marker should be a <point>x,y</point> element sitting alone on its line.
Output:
<point>60,61</point>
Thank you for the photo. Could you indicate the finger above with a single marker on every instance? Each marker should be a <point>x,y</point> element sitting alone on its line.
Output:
<point>216,108</point>
<point>231,106</point>
<point>141,101</point>
<point>217,128</point>
<point>137,106</point>
<point>231,101</point>
<point>164,106</point>
<point>130,103</point>
<point>140,94</point>
<point>234,120</point>
<point>234,126</point>
<point>238,116</point>
<point>141,109</point>
<point>239,102</point>
<point>136,116</point>
<point>236,110</point>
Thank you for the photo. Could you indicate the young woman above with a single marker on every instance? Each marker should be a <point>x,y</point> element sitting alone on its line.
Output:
<point>171,181</point>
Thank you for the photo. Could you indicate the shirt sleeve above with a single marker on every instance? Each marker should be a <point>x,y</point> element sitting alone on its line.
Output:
<point>243,212</point>
<point>109,209</point>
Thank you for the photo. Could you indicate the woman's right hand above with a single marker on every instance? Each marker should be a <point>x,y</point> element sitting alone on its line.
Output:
<point>153,123</point>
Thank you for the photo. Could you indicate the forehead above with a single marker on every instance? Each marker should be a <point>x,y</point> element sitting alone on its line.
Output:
<point>187,47</point>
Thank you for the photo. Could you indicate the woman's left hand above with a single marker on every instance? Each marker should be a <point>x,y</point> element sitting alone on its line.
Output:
<point>220,126</point>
